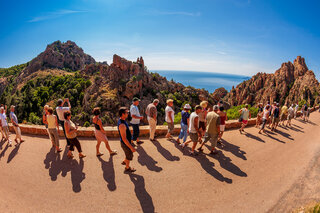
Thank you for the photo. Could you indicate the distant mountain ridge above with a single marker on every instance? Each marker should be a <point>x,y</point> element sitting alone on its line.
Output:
<point>64,70</point>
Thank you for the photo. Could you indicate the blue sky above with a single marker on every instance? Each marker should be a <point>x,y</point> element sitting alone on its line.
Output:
<point>226,36</point>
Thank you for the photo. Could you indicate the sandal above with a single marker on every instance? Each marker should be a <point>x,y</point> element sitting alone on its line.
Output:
<point>114,152</point>
<point>82,156</point>
<point>70,156</point>
<point>129,170</point>
<point>99,154</point>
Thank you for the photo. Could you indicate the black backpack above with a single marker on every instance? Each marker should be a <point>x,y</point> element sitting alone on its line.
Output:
<point>306,108</point>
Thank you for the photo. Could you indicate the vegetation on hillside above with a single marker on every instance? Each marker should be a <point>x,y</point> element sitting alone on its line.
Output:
<point>29,101</point>
<point>12,71</point>
<point>233,112</point>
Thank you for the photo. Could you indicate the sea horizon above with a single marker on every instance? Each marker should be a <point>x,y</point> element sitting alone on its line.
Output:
<point>202,79</point>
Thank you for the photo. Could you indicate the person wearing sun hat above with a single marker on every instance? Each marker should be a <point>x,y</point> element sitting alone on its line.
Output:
<point>169,118</point>
<point>135,121</point>
<point>185,115</point>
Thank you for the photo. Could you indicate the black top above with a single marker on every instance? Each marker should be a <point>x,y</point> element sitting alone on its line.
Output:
<point>96,125</point>
<point>276,113</point>
<point>128,133</point>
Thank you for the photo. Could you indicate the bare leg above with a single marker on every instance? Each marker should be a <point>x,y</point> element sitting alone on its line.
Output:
<point>98,147</point>
<point>194,146</point>
<point>108,147</point>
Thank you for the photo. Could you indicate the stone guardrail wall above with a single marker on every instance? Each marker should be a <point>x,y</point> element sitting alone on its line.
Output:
<point>112,132</point>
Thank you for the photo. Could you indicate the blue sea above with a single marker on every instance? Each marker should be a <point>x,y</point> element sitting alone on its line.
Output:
<point>203,80</point>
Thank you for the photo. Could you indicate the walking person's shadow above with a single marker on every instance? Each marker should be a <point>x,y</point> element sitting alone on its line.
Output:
<point>146,160</point>
<point>77,174</point>
<point>4,151</point>
<point>108,172</point>
<point>1,143</point>
<point>164,152</point>
<point>225,162</point>
<point>14,152</point>
<point>53,163</point>
<point>207,166</point>
<point>235,150</point>
<point>143,196</point>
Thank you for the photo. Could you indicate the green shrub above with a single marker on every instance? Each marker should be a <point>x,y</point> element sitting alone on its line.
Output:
<point>233,112</point>
<point>33,118</point>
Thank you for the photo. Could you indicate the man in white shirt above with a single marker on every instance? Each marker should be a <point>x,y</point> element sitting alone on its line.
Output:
<point>60,112</point>
<point>15,124</point>
<point>135,120</point>
<point>4,124</point>
<point>169,117</point>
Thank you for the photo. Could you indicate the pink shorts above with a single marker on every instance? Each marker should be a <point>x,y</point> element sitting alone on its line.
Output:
<point>100,136</point>
<point>245,122</point>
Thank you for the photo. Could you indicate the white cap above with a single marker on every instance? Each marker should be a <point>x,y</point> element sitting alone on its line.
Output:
<point>187,106</point>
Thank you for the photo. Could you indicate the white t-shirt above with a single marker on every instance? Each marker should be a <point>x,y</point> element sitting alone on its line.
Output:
<point>3,118</point>
<point>169,109</point>
<point>61,111</point>
<point>134,111</point>
<point>192,129</point>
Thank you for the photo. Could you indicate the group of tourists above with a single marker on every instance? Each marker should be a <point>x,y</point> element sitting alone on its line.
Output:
<point>63,118</point>
<point>273,116</point>
<point>205,123</point>
<point>4,127</point>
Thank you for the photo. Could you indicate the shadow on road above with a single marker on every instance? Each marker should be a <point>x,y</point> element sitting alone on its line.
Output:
<point>14,152</point>
<point>108,173</point>
<point>77,174</point>
<point>164,152</point>
<point>225,163</point>
<point>143,196</point>
<point>205,163</point>
<point>207,166</point>
<point>274,138</point>
<point>4,151</point>
<point>65,165</point>
<point>254,137</point>
<point>284,134</point>
<point>235,150</point>
<point>1,143</point>
<point>146,160</point>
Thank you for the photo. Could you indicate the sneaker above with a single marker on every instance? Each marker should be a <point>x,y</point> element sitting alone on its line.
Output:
<point>129,170</point>
<point>114,152</point>
<point>193,153</point>
<point>214,152</point>
<point>182,145</point>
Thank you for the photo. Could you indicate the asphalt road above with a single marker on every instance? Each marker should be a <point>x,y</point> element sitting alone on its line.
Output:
<point>277,172</point>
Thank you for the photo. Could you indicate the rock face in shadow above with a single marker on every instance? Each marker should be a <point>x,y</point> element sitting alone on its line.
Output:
<point>291,83</point>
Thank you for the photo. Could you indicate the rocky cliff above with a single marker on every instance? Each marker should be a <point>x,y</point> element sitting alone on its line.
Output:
<point>291,83</point>
<point>64,70</point>
<point>59,55</point>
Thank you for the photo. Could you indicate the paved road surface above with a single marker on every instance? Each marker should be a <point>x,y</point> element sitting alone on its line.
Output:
<point>252,173</point>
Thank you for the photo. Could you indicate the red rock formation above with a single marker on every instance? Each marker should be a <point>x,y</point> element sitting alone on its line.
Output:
<point>292,82</point>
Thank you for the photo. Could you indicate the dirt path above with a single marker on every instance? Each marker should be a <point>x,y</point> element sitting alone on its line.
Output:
<point>252,173</point>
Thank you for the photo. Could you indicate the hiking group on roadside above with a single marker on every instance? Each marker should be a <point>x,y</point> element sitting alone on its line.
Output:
<point>205,123</point>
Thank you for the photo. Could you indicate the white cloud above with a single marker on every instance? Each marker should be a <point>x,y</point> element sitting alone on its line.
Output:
<point>55,14</point>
